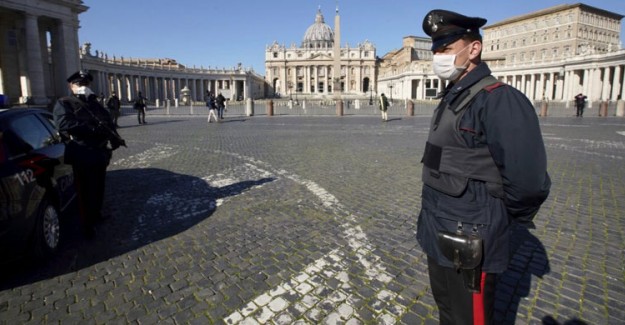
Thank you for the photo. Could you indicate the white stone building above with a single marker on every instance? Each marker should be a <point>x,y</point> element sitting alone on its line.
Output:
<point>552,54</point>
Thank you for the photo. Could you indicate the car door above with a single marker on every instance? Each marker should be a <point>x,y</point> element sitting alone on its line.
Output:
<point>63,175</point>
<point>28,150</point>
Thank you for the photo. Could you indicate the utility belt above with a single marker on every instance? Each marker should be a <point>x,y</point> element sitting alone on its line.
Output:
<point>466,252</point>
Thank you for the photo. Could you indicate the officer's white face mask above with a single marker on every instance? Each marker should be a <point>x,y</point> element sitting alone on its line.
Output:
<point>82,90</point>
<point>444,65</point>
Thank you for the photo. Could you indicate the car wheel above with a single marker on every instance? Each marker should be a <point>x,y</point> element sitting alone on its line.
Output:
<point>47,232</point>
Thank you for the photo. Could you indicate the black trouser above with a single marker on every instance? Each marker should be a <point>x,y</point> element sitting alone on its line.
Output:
<point>456,304</point>
<point>89,183</point>
<point>115,113</point>
<point>580,110</point>
<point>141,115</point>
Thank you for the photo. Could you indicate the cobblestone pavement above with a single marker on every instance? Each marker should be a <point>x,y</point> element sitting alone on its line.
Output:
<point>307,220</point>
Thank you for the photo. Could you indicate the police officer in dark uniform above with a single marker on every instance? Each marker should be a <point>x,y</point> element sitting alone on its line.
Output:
<point>114,106</point>
<point>484,167</point>
<point>90,136</point>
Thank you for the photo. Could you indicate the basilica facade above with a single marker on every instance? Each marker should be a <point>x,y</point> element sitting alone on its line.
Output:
<point>319,65</point>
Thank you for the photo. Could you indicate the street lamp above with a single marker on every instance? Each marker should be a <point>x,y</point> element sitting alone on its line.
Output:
<point>390,86</point>
<point>370,95</point>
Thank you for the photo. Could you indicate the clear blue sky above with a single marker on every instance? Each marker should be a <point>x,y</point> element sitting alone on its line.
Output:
<point>222,33</point>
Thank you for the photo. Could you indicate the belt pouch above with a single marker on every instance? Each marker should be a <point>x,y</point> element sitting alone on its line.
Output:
<point>466,252</point>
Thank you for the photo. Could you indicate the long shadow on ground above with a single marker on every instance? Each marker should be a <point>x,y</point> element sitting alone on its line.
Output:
<point>528,257</point>
<point>146,205</point>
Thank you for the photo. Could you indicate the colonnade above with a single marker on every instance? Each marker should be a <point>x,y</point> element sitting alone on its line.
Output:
<point>598,83</point>
<point>39,47</point>
<point>600,77</point>
<point>127,86</point>
<point>168,81</point>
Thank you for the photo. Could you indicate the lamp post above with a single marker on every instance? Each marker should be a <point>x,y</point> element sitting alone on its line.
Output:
<point>390,86</point>
<point>370,95</point>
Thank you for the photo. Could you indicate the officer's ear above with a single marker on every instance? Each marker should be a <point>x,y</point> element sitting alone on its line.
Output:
<point>475,50</point>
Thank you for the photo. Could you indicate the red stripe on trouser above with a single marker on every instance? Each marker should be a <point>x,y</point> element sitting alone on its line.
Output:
<point>478,303</point>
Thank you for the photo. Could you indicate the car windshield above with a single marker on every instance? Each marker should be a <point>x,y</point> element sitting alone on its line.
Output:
<point>25,134</point>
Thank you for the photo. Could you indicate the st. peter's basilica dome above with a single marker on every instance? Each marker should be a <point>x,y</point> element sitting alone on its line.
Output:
<point>318,35</point>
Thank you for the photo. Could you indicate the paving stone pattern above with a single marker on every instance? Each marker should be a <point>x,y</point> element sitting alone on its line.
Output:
<point>308,220</point>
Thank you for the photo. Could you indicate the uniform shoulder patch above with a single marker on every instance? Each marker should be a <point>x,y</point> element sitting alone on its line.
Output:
<point>494,86</point>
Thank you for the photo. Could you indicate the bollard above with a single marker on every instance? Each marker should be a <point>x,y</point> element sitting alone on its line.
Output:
<point>249,107</point>
<point>620,108</point>
<point>603,108</point>
<point>410,108</point>
<point>339,107</point>
<point>543,108</point>
<point>270,108</point>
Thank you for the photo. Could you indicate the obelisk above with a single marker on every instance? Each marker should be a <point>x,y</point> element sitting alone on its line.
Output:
<point>337,63</point>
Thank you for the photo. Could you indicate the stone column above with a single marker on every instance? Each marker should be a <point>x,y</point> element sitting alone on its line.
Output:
<point>315,82</point>
<point>70,59</point>
<point>104,85</point>
<point>595,85</point>
<point>118,86</point>
<point>616,83</point>
<point>549,86</point>
<point>585,84</point>
<point>164,89</point>
<point>532,89</point>
<point>605,92</point>
<point>35,78</point>
<point>176,88</point>
<point>128,87</point>
<point>622,80</point>
<point>559,87</point>
<point>567,88</point>
<point>540,88</point>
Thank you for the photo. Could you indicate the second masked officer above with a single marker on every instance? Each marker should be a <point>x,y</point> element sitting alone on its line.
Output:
<point>90,137</point>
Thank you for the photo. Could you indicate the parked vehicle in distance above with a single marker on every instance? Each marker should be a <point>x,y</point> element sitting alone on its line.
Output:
<point>36,187</point>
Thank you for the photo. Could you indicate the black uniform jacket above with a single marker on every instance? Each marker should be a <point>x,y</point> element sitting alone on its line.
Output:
<point>504,120</point>
<point>89,125</point>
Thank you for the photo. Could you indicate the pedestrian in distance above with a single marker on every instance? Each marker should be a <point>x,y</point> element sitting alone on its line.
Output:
<point>140,105</point>
<point>88,131</point>
<point>101,98</point>
<point>580,104</point>
<point>383,105</point>
<point>114,106</point>
<point>212,107</point>
<point>221,105</point>
<point>484,168</point>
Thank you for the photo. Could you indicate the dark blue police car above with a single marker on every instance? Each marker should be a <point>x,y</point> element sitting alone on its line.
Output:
<point>36,187</point>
